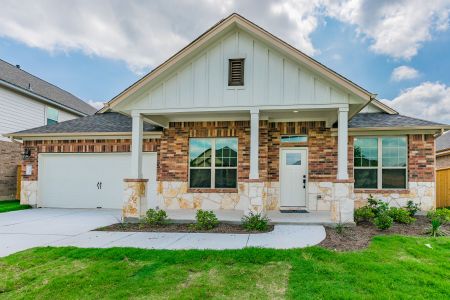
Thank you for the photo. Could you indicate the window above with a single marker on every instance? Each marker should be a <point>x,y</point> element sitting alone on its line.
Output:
<point>52,116</point>
<point>213,163</point>
<point>236,72</point>
<point>380,162</point>
<point>294,138</point>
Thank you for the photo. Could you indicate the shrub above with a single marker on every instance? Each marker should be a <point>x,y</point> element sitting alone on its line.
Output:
<point>383,221</point>
<point>155,217</point>
<point>435,228</point>
<point>257,222</point>
<point>206,220</point>
<point>400,215</point>
<point>412,208</point>
<point>364,214</point>
<point>441,214</point>
<point>378,206</point>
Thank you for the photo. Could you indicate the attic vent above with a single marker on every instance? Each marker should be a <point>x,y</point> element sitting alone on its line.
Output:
<point>236,72</point>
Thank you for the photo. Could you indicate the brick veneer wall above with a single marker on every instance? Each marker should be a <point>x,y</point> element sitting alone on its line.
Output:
<point>10,157</point>
<point>80,146</point>
<point>421,158</point>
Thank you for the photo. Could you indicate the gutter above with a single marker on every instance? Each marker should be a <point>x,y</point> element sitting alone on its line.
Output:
<point>41,98</point>
<point>60,135</point>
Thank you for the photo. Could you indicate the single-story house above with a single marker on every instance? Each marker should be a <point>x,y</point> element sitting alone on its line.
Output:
<point>236,120</point>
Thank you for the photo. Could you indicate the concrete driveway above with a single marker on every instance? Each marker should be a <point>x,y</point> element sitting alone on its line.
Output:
<point>26,229</point>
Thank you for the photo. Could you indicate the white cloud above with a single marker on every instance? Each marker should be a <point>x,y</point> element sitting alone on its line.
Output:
<point>96,104</point>
<point>404,73</point>
<point>145,33</point>
<point>397,28</point>
<point>429,101</point>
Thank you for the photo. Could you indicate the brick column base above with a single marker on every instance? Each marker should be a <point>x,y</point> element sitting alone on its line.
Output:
<point>134,199</point>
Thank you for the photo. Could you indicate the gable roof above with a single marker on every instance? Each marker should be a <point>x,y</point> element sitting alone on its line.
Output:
<point>22,81</point>
<point>443,142</point>
<point>383,107</point>
<point>384,120</point>
<point>241,22</point>
<point>110,122</point>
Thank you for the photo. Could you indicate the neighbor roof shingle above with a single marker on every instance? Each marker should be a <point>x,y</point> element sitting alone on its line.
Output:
<point>443,142</point>
<point>383,120</point>
<point>24,80</point>
<point>106,122</point>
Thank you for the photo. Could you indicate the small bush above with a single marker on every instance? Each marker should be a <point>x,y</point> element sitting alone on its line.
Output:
<point>206,220</point>
<point>257,222</point>
<point>400,215</point>
<point>378,207</point>
<point>435,228</point>
<point>383,221</point>
<point>441,214</point>
<point>412,208</point>
<point>364,214</point>
<point>155,217</point>
<point>339,228</point>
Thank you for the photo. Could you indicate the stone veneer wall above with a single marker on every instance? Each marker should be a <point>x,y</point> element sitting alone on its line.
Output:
<point>10,157</point>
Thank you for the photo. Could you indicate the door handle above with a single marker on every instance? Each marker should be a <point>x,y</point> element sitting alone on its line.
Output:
<point>304,181</point>
<point>100,185</point>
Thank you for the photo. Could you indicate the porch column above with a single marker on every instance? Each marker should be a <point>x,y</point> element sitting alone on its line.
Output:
<point>135,188</point>
<point>254,143</point>
<point>342,163</point>
<point>136,145</point>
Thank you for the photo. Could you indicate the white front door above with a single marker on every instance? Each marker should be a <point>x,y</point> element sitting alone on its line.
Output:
<point>293,177</point>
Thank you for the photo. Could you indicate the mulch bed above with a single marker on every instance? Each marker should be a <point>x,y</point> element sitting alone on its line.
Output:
<point>172,227</point>
<point>359,237</point>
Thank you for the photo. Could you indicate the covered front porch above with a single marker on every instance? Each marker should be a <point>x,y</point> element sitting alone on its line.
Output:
<point>321,188</point>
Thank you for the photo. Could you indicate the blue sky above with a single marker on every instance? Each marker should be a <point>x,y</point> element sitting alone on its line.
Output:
<point>94,54</point>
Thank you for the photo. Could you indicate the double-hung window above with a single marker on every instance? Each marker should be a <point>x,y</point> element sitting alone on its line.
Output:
<point>380,162</point>
<point>213,162</point>
<point>52,116</point>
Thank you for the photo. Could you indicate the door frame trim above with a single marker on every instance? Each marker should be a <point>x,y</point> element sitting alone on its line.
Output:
<point>307,172</point>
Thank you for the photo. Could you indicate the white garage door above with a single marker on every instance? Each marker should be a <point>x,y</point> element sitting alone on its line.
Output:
<point>89,180</point>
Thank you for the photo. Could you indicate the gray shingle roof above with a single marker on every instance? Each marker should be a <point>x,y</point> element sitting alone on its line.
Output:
<point>443,142</point>
<point>106,122</point>
<point>24,80</point>
<point>383,120</point>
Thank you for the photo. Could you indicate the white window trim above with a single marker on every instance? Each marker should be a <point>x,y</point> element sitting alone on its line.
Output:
<point>380,167</point>
<point>213,164</point>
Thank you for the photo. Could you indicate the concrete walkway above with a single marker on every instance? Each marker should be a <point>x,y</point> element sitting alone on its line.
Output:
<point>26,229</point>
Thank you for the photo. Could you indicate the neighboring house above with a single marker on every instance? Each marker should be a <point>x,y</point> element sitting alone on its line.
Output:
<point>443,151</point>
<point>26,102</point>
<point>236,120</point>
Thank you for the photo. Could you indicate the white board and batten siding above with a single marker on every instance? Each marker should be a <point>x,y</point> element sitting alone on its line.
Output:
<point>19,112</point>
<point>270,78</point>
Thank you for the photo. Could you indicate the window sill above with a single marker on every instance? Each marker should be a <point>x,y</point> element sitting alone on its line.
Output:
<point>197,190</point>
<point>376,191</point>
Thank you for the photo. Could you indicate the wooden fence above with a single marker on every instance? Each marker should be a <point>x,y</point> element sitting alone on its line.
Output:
<point>443,188</point>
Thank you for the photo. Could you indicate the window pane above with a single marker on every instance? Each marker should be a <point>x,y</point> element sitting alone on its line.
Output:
<point>394,151</point>
<point>366,178</point>
<point>52,114</point>
<point>226,152</point>
<point>200,178</point>
<point>51,122</point>
<point>200,152</point>
<point>226,178</point>
<point>294,138</point>
<point>293,159</point>
<point>394,178</point>
<point>366,152</point>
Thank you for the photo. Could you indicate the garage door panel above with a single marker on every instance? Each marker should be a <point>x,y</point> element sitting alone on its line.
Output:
<point>89,180</point>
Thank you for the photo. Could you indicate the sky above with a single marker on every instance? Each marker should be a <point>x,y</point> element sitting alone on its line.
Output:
<point>397,49</point>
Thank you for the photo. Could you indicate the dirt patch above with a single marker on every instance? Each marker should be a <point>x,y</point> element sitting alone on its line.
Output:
<point>171,227</point>
<point>359,237</point>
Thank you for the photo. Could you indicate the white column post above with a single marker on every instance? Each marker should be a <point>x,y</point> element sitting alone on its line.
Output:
<point>254,143</point>
<point>342,172</point>
<point>136,145</point>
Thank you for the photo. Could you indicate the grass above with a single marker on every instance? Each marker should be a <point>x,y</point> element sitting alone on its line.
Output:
<point>392,267</point>
<point>11,205</point>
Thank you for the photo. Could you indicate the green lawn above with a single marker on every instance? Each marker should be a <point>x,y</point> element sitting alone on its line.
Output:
<point>392,267</point>
<point>11,205</point>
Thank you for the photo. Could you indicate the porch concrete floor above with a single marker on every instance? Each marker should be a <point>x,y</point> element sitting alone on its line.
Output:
<point>276,217</point>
